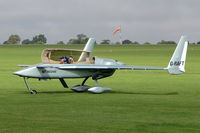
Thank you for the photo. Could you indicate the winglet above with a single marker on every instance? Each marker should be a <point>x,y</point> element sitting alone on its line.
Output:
<point>89,48</point>
<point>177,63</point>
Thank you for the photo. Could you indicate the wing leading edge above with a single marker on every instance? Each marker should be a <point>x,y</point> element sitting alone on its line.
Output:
<point>86,67</point>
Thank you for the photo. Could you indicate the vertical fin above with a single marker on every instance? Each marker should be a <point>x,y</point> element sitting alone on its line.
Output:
<point>177,62</point>
<point>89,48</point>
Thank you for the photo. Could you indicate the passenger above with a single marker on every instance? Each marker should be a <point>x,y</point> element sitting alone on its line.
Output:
<point>71,60</point>
<point>64,60</point>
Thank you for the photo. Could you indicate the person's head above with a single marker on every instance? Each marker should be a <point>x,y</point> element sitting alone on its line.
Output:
<point>63,59</point>
<point>70,56</point>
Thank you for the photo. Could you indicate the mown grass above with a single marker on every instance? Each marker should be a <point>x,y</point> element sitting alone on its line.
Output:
<point>140,101</point>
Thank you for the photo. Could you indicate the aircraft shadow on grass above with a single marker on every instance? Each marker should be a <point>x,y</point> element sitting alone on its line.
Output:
<point>52,92</point>
<point>143,93</point>
<point>111,92</point>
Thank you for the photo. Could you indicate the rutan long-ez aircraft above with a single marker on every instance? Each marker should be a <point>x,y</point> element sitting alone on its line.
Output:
<point>56,65</point>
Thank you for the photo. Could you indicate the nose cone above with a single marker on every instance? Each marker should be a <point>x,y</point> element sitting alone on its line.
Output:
<point>20,73</point>
<point>27,72</point>
<point>16,73</point>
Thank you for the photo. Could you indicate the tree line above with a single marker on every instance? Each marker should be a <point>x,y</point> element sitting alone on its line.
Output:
<point>80,39</point>
<point>15,39</point>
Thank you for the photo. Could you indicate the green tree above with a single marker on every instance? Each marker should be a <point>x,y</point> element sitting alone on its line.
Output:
<point>117,43</point>
<point>166,42</point>
<point>13,39</point>
<point>5,42</point>
<point>126,42</point>
<point>26,41</point>
<point>147,43</point>
<point>84,41</point>
<point>60,43</point>
<point>81,39</point>
<point>136,42</point>
<point>105,42</point>
<point>73,41</point>
<point>40,42</point>
<point>39,39</point>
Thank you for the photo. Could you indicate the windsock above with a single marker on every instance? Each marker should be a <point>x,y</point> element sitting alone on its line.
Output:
<point>118,29</point>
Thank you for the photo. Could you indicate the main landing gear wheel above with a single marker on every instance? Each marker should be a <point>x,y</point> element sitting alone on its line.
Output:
<point>98,89</point>
<point>33,92</point>
<point>82,87</point>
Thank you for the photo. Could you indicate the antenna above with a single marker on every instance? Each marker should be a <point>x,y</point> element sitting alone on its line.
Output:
<point>120,35</point>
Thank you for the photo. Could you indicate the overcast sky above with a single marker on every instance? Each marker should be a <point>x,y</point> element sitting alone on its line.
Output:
<point>140,20</point>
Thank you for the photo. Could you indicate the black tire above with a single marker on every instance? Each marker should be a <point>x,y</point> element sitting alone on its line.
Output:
<point>34,92</point>
<point>80,91</point>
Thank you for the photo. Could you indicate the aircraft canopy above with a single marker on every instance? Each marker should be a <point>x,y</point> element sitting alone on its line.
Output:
<point>53,55</point>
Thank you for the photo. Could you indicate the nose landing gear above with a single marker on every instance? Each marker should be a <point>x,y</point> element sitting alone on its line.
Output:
<point>29,89</point>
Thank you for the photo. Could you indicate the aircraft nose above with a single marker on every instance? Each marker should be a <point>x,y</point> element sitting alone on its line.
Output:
<point>28,72</point>
<point>17,73</point>
<point>22,72</point>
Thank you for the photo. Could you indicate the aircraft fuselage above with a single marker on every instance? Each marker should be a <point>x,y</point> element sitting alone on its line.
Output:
<point>54,72</point>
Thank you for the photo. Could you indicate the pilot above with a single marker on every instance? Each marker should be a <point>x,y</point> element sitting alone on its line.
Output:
<point>71,60</point>
<point>64,60</point>
<point>93,60</point>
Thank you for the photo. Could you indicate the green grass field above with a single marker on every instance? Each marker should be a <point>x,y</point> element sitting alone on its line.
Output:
<point>140,101</point>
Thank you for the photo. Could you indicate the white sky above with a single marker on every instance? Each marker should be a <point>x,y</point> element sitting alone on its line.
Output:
<point>141,20</point>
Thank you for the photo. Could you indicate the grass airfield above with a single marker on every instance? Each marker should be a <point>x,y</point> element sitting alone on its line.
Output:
<point>140,100</point>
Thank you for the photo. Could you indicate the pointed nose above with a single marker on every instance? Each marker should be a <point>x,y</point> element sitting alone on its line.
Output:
<point>24,72</point>
<point>19,73</point>
<point>28,72</point>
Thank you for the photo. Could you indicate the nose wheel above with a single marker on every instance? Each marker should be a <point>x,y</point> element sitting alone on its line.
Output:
<point>29,89</point>
<point>33,92</point>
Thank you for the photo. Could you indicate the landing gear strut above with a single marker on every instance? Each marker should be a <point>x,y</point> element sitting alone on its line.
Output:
<point>96,82</point>
<point>84,81</point>
<point>29,89</point>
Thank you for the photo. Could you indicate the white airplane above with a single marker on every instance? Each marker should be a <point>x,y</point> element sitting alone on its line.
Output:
<point>84,66</point>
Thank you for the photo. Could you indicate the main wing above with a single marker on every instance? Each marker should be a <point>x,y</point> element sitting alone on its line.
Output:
<point>99,67</point>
